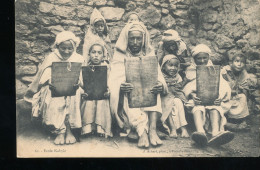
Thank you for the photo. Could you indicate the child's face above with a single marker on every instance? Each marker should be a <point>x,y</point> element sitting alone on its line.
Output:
<point>133,18</point>
<point>201,59</point>
<point>96,55</point>
<point>171,67</point>
<point>238,64</point>
<point>171,47</point>
<point>135,40</point>
<point>65,49</point>
<point>99,27</point>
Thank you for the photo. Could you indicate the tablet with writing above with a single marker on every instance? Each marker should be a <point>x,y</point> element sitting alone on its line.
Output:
<point>64,75</point>
<point>207,83</point>
<point>142,73</point>
<point>95,81</point>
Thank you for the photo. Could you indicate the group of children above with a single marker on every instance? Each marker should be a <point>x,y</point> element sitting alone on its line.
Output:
<point>61,114</point>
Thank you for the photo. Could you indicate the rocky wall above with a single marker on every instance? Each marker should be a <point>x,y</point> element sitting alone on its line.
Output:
<point>226,26</point>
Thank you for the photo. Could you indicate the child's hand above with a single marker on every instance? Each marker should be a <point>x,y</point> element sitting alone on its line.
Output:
<point>84,96</point>
<point>158,88</point>
<point>126,87</point>
<point>196,100</point>
<point>217,102</point>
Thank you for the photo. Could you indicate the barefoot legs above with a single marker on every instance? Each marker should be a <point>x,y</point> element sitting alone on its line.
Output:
<point>154,139</point>
<point>143,140</point>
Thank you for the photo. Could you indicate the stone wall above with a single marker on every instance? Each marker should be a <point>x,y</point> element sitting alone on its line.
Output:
<point>226,26</point>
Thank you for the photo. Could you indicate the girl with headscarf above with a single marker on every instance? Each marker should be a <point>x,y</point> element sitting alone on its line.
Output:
<point>96,116</point>
<point>242,85</point>
<point>172,102</point>
<point>98,31</point>
<point>59,114</point>
<point>173,44</point>
<point>207,115</point>
<point>130,46</point>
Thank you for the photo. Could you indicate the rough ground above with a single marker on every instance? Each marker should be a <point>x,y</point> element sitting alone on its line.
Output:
<point>32,141</point>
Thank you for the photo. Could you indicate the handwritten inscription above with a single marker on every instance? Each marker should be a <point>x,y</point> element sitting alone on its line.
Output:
<point>208,83</point>
<point>143,74</point>
<point>64,76</point>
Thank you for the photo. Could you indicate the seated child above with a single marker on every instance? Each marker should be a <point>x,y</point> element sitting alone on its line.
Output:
<point>98,31</point>
<point>207,115</point>
<point>172,103</point>
<point>59,114</point>
<point>96,116</point>
<point>241,84</point>
<point>173,44</point>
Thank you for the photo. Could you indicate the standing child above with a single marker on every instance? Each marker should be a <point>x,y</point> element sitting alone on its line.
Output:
<point>207,115</point>
<point>241,84</point>
<point>59,114</point>
<point>133,17</point>
<point>98,31</point>
<point>172,103</point>
<point>96,116</point>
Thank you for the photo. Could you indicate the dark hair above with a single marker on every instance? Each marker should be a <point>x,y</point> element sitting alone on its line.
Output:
<point>235,55</point>
<point>97,45</point>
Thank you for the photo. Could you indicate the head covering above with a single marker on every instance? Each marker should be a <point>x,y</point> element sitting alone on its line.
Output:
<point>191,70</point>
<point>172,35</point>
<point>122,42</point>
<point>132,13</point>
<point>201,48</point>
<point>65,36</point>
<point>95,17</point>
<point>168,58</point>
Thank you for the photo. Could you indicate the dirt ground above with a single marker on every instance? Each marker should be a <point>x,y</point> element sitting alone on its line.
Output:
<point>33,141</point>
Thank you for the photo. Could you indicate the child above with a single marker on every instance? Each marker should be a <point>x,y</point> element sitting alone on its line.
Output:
<point>201,113</point>
<point>60,114</point>
<point>173,102</point>
<point>98,31</point>
<point>96,115</point>
<point>241,84</point>
<point>133,17</point>
<point>173,44</point>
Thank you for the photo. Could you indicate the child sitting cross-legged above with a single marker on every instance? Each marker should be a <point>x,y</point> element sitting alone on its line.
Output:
<point>172,103</point>
<point>207,116</point>
<point>241,84</point>
<point>96,116</point>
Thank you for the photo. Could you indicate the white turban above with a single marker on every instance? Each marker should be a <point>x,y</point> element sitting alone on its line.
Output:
<point>201,48</point>
<point>171,35</point>
<point>168,58</point>
<point>65,36</point>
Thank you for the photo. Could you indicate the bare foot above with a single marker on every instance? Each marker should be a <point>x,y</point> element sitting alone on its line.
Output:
<point>154,139</point>
<point>184,133</point>
<point>173,134</point>
<point>143,140</point>
<point>69,139</point>
<point>60,139</point>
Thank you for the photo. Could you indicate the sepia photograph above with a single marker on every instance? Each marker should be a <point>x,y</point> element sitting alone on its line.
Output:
<point>137,78</point>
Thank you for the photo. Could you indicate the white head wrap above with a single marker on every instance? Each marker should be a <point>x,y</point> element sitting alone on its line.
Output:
<point>201,48</point>
<point>168,58</point>
<point>65,36</point>
<point>171,35</point>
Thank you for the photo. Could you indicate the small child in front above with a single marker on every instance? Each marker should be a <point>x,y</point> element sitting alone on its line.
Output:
<point>58,114</point>
<point>96,116</point>
<point>172,103</point>
<point>207,115</point>
<point>241,84</point>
